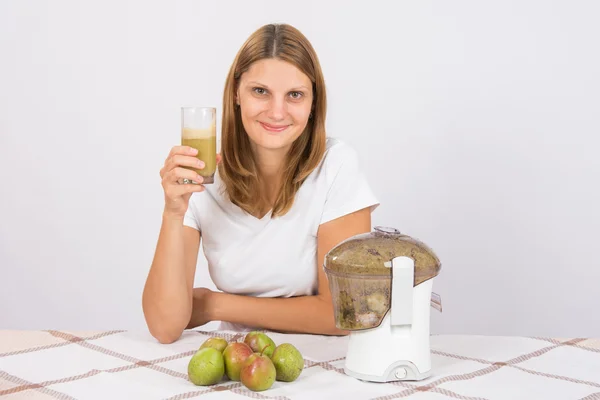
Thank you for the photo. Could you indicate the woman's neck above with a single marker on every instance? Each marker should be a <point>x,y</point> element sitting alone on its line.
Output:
<point>270,171</point>
<point>270,162</point>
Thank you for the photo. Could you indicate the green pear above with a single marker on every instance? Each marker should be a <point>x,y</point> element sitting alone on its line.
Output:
<point>215,342</point>
<point>258,372</point>
<point>206,367</point>
<point>260,343</point>
<point>288,362</point>
<point>234,356</point>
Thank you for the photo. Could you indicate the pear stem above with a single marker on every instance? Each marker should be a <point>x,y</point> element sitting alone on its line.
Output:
<point>263,349</point>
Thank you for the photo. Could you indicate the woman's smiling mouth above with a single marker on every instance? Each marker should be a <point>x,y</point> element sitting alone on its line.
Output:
<point>273,128</point>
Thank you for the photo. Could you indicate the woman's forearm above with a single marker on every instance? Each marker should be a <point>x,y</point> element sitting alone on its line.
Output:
<point>304,314</point>
<point>167,297</point>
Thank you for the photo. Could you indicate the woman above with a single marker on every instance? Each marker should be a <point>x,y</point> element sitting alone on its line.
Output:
<point>283,196</point>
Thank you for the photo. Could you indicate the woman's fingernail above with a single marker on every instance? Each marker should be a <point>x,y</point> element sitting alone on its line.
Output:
<point>199,179</point>
<point>200,164</point>
<point>193,150</point>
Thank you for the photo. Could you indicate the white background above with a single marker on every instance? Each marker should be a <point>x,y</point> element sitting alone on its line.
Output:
<point>476,122</point>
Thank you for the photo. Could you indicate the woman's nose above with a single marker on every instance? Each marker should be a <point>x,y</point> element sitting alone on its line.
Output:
<point>277,109</point>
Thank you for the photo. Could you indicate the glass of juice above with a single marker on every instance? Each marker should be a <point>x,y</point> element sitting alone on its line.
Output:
<point>198,130</point>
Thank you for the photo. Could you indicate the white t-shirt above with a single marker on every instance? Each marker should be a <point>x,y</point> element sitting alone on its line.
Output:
<point>277,257</point>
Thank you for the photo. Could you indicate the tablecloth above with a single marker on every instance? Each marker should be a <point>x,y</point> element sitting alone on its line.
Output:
<point>133,365</point>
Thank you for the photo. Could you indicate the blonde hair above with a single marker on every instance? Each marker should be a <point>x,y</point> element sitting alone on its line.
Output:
<point>238,169</point>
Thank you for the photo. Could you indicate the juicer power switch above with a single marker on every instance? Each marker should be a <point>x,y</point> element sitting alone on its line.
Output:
<point>401,373</point>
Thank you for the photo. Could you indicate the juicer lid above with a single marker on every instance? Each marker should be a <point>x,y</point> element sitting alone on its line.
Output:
<point>370,254</point>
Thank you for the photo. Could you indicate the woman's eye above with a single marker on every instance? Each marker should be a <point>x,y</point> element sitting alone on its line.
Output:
<point>296,95</point>
<point>258,90</point>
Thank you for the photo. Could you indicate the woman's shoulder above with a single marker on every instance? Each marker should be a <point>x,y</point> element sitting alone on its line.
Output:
<point>336,145</point>
<point>344,181</point>
<point>337,153</point>
<point>339,156</point>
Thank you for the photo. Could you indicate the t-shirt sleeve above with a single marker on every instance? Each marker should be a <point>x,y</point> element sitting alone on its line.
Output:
<point>349,190</point>
<point>190,218</point>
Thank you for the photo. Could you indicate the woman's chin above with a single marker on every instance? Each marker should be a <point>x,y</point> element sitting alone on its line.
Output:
<point>270,141</point>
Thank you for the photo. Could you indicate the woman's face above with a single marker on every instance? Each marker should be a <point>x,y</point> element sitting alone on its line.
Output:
<point>275,101</point>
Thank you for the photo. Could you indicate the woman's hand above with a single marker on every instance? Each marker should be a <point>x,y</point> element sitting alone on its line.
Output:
<point>201,308</point>
<point>173,173</point>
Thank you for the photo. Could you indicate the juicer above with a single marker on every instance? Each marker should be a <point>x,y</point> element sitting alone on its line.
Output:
<point>381,287</point>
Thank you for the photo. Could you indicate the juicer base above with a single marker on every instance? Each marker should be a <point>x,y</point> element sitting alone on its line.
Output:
<point>398,371</point>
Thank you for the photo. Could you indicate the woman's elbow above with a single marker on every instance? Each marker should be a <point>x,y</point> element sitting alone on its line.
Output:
<point>166,339</point>
<point>165,336</point>
<point>334,331</point>
<point>166,332</point>
<point>165,329</point>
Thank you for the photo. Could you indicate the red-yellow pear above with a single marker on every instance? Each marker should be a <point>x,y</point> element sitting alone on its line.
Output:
<point>234,356</point>
<point>258,372</point>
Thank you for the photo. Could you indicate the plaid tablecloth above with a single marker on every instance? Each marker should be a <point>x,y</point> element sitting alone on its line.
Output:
<point>129,365</point>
